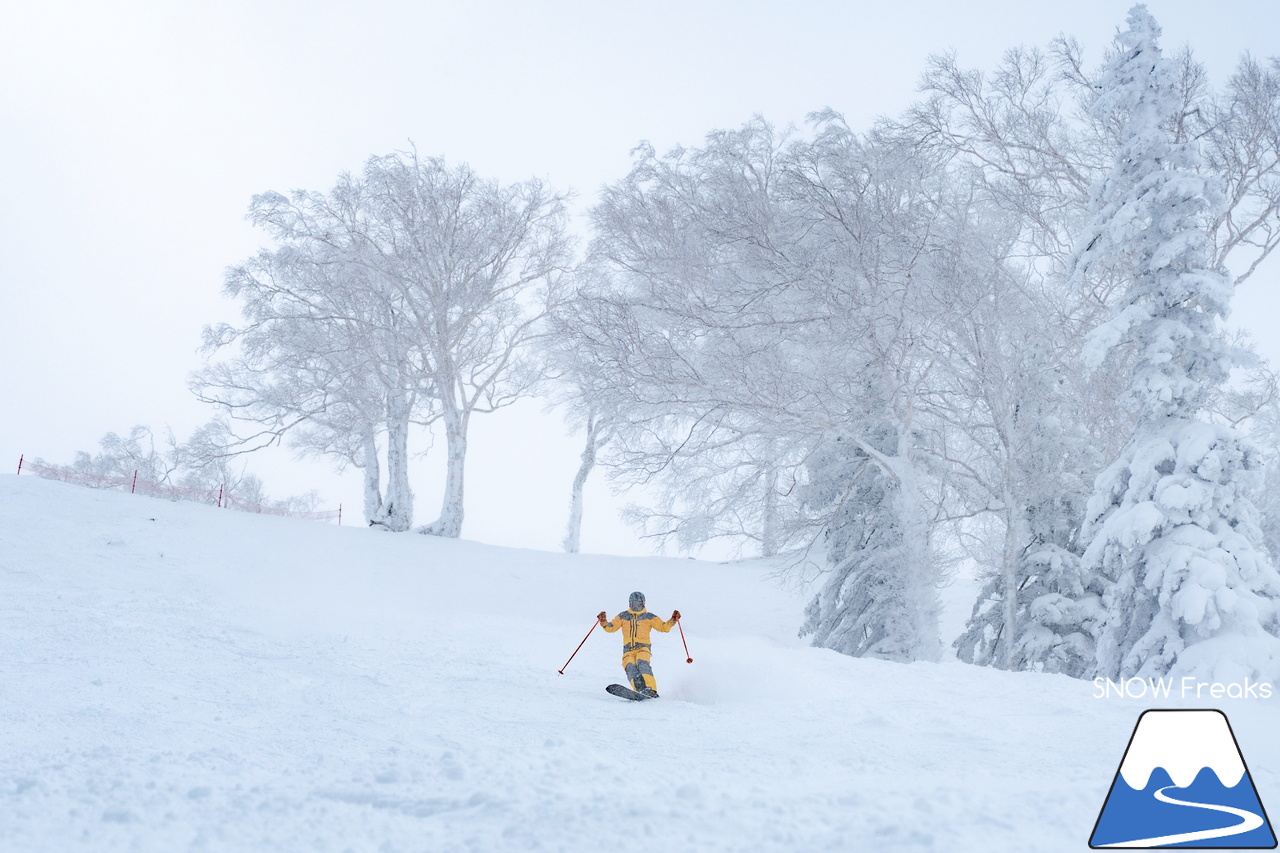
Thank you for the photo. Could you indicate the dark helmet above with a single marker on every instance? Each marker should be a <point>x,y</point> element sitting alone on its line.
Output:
<point>636,602</point>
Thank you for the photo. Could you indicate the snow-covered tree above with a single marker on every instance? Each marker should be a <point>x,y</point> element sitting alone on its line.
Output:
<point>1026,136</point>
<point>1170,525</point>
<point>120,457</point>
<point>1020,453</point>
<point>868,604</point>
<point>205,463</point>
<point>684,316</point>
<point>198,469</point>
<point>323,358</point>
<point>567,358</point>
<point>1038,608</point>
<point>753,300</point>
<point>479,266</point>
<point>1030,133</point>
<point>598,434</point>
<point>408,294</point>
<point>1253,405</point>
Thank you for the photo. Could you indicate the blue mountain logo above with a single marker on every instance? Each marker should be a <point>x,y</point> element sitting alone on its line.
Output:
<point>1183,783</point>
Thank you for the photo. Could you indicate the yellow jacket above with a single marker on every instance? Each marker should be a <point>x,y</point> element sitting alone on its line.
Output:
<point>636,626</point>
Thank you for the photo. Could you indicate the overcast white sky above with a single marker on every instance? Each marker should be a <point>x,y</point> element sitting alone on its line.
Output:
<point>133,134</point>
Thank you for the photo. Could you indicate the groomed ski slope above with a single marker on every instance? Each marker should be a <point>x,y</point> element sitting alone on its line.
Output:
<point>174,677</point>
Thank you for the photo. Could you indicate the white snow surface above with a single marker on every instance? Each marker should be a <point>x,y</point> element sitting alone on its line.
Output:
<point>174,677</point>
<point>1183,743</point>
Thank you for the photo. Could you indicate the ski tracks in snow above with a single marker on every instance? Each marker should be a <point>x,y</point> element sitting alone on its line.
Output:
<point>216,681</point>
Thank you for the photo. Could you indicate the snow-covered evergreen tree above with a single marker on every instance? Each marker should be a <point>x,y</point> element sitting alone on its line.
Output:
<point>1170,525</point>
<point>1056,603</point>
<point>1026,449</point>
<point>877,598</point>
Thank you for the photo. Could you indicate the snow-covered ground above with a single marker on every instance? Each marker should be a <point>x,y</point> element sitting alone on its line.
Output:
<point>174,677</point>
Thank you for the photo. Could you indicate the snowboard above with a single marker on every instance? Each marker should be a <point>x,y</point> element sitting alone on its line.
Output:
<point>627,693</point>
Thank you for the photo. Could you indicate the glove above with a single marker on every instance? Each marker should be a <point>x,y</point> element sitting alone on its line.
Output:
<point>600,616</point>
<point>675,614</point>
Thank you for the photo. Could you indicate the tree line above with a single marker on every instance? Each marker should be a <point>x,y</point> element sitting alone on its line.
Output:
<point>987,329</point>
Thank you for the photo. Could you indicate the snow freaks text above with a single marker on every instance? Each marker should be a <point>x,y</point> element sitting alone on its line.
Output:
<point>1187,687</point>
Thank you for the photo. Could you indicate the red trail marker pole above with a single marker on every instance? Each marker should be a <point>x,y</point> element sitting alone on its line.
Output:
<point>134,487</point>
<point>688,658</point>
<point>575,651</point>
<point>21,456</point>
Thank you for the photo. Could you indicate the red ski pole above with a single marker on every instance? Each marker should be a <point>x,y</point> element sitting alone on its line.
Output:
<point>575,651</point>
<point>686,645</point>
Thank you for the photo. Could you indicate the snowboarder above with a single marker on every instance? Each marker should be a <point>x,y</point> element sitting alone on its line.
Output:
<point>637,623</point>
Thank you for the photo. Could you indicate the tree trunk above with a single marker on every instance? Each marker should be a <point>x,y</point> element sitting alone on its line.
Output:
<point>372,478</point>
<point>1014,545</point>
<point>397,510</point>
<point>769,524</point>
<point>449,524</point>
<point>573,533</point>
<point>920,586</point>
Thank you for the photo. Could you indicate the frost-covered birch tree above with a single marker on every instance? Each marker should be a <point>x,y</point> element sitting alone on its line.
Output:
<point>890,228</point>
<point>685,309</point>
<point>752,302</point>
<point>575,390</point>
<point>599,432</point>
<point>406,295</point>
<point>1171,525</point>
<point>123,456</point>
<point>477,267</point>
<point>323,357</point>
<point>200,464</point>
